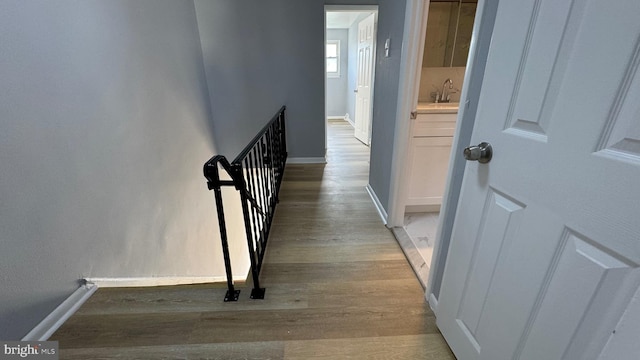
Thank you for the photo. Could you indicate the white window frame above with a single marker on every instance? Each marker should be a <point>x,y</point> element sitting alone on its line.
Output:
<point>335,74</point>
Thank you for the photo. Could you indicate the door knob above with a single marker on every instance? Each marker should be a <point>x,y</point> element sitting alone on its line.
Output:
<point>482,153</point>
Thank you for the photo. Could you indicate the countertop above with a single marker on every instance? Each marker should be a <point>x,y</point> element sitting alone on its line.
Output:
<point>437,108</point>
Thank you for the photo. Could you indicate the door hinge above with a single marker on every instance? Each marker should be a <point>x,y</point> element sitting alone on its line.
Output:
<point>414,115</point>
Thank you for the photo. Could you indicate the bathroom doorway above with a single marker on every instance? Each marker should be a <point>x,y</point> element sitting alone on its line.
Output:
<point>440,80</point>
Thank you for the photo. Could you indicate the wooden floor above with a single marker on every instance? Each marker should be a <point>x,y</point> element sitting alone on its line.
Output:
<point>338,286</point>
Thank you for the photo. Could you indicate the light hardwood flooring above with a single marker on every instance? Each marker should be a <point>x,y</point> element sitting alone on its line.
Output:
<point>338,287</point>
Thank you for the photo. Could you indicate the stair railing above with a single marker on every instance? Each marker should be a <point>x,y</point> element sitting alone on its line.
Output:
<point>257,174</point>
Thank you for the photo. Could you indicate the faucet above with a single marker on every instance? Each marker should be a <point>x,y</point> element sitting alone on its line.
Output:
<point>444,95</point>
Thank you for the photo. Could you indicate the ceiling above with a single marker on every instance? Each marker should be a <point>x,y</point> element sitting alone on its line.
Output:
<point>342,19</point>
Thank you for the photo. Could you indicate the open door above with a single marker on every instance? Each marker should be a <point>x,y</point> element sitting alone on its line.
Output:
<point>365,67</point>
<point>545,252</point>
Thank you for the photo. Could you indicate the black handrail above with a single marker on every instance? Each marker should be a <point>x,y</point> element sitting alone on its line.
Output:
<point>257,174</point>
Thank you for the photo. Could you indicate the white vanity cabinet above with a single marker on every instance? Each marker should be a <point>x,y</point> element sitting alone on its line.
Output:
<point>429,151</point>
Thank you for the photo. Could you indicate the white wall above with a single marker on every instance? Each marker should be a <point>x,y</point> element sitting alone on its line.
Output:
<point>104,128</point>
<point>337,86</point>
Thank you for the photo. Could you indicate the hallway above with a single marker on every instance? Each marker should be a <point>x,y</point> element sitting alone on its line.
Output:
<point>338,286</point>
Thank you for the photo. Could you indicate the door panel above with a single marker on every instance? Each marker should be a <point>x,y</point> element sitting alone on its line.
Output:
<point>621,137</point>
<point>545,251</point>
<point>584,277</point>
<point>366,40</point>
<point>500,219</point>
<point>540,36</point>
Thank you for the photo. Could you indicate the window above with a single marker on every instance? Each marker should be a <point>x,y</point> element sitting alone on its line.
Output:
<point>333,58</point>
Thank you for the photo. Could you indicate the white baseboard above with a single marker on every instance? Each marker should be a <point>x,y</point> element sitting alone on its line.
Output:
<point>433,302</point>
<point>59,315</point>
<point>160,281</point>
<point>307,160</point>
<point>64,311</point>
<point>346,118</point>
<point>349,119</point>
<point>378,204</point>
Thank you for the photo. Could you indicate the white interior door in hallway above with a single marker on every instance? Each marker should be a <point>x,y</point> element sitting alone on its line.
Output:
<point>365,64</point>
<point>545,249</point>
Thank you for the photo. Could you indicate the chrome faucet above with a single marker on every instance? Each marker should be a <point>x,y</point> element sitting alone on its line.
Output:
<point>444,95</point>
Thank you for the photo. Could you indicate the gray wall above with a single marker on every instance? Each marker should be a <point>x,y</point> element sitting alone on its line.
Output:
<point>274,55</point>
<point>337,86</point>
<point>258,56</point>
<point>103,132</point>
<point>390,26</point>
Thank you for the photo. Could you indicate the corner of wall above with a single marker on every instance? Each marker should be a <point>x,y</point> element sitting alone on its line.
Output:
<point>62,313</point>
<point>379,207</point>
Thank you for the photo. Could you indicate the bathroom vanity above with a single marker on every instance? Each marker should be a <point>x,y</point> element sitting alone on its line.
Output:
<point>429,152</point>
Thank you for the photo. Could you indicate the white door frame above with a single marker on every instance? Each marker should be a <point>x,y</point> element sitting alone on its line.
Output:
<point>415,27</point>
<point>414,32</point>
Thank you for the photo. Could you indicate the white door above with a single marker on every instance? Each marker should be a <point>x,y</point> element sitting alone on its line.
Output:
<point>366,39</point>
<point>544,254</point>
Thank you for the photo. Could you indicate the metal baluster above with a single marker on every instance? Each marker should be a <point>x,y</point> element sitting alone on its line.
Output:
<point>257,292</point>
<point>232,294</point>
<point>265,196</point>
<point>272,178</point>
<point>256,197</point>
<point>253,211</point>
<point>212,174</point>
<point>259,200</point>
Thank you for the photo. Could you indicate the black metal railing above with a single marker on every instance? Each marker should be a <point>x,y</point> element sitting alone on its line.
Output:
<point>257,174</point>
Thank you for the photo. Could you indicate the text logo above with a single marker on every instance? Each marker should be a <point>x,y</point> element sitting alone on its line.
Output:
<point>29,350</point>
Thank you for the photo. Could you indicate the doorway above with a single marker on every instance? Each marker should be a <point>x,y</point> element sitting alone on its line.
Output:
<point>444,43</point>
<point>350,66</point>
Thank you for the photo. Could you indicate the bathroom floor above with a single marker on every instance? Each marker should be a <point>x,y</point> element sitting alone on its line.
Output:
<point>422,228</point>
<point>417,238</point>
